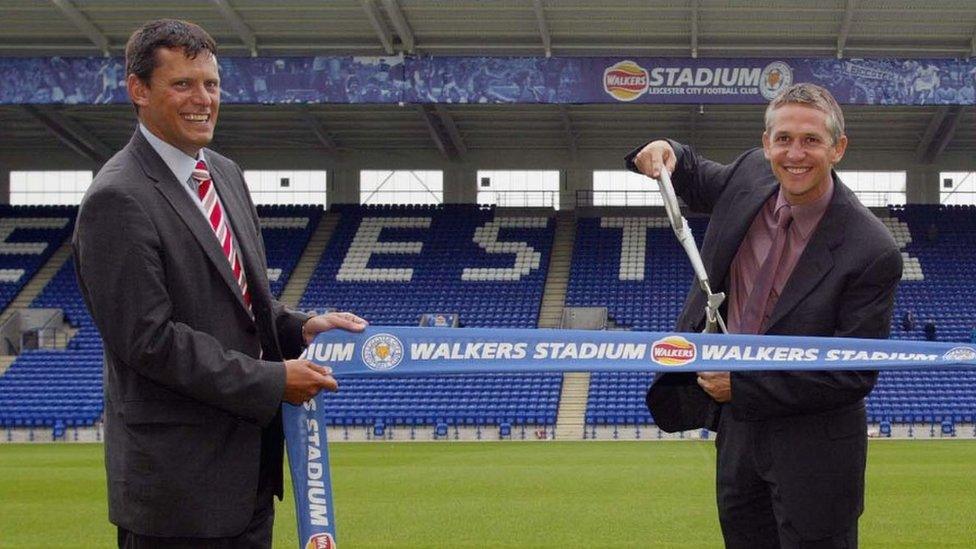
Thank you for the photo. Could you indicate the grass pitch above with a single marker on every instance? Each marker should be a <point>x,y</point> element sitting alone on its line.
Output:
<point>557,494</point>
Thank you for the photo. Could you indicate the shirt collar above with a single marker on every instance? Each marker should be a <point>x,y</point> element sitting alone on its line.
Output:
<point>181,164</point>
<point>807,216</point>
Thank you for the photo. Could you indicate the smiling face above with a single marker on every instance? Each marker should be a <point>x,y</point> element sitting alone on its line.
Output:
<point>801,151</point>
<point>180,102</point>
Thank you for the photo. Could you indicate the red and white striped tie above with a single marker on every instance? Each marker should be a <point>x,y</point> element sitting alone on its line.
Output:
<point>218,222</point>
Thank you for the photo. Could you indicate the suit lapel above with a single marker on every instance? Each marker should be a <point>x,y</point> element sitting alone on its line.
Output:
<point>742,210</point>
<point>817,258</point>
<point>182,204</point>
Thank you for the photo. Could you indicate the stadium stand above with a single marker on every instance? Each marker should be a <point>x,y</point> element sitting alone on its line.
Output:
<point>517,399</point>
<point>63,388</point>
<point>634,267</point>
<point>644,285</point>
<point>391,264</point>
<point>28,237</point>
<point>936,288</point>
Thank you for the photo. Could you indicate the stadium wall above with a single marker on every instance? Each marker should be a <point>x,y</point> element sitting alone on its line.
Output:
<point>460,176</point>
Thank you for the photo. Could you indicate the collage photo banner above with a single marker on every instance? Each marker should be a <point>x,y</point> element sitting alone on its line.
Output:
<point>511,80</point>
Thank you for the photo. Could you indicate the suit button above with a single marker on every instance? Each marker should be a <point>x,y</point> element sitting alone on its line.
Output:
<point>252,329</point>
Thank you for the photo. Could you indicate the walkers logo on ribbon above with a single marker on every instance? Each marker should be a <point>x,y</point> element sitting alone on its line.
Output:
<point>625,81</point>
<point>673,351</point>
<point>321,541</point>
<point>382,352</point>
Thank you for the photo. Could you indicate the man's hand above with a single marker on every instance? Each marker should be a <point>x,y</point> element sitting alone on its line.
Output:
<point>653,157</point>
<point>328,321</point>
<point>304,380</point>
<point>718,385</point>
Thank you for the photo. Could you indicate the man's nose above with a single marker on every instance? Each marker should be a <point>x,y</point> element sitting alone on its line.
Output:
<point>796,149</point>
<point>201,96</point>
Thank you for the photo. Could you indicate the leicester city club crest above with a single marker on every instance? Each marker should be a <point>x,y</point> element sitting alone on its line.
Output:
<point>775,76</point>
<point>382,352</point>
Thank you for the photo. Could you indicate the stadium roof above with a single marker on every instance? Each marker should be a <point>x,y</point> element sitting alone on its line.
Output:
<point>683,28</point>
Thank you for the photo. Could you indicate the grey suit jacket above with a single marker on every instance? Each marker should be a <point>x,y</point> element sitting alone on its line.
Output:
<point>842,286</point>
<point>188,405</point>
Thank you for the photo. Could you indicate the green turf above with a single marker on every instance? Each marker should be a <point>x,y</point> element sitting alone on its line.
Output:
<point>594,494</point>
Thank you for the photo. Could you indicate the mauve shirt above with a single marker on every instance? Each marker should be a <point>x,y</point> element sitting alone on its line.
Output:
<point>755,247</point>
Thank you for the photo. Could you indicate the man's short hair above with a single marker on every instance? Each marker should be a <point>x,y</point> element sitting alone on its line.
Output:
<point>140,51</point>
<point>814,96</point>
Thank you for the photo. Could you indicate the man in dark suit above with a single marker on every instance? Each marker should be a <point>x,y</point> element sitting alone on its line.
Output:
<point>797,254</point>
<point>172,267</point>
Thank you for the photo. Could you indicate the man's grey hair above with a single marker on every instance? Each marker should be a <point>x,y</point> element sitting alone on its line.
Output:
<point>814,96</point>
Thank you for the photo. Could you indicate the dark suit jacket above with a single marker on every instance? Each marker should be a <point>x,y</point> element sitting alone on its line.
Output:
<point>843,286</point>
<point>188,405</point>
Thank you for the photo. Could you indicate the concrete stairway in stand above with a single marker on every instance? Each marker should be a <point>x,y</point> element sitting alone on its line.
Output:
<point>570,421</point>
<point>32,289</point>
<point>298,281</point>
<point>557,279</point>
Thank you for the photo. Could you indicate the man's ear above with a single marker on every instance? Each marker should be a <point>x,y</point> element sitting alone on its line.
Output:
<point>765,142</point>
<point>138,90</point>
<point>839,149</point>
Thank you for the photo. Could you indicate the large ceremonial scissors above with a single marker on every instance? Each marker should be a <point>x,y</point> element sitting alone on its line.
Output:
<point>713,301</point>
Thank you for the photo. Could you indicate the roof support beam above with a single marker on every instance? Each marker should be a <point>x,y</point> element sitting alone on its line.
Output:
<point>240,27</point>
<point>400,24</point>
<point>319,130</point>
<point>972,45</point>
<point>945,134</point>
<point>928,137</point>
<point>383,32</point>
<point>845,28</point>
<point>540,18</point>
<point>71,134</point>
<point>570,131</point>
<point>435,133</point>
<point>85,25</point>
<point>447,122</point>
<point>938,134</point>
<point>694,29</point>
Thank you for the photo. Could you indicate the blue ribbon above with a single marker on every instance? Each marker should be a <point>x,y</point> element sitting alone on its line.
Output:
<point>399,351</point>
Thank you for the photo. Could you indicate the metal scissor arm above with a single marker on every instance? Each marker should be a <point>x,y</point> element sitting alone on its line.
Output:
<point>713,301</point>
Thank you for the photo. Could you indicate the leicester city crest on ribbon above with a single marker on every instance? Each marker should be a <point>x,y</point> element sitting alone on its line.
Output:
<point>382,352</point>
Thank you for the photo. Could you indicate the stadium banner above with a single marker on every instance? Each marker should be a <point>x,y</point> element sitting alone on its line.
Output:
<point>675,80</point>
<point>246,80</point>
<point>402,351</point>
<point>563,80</point>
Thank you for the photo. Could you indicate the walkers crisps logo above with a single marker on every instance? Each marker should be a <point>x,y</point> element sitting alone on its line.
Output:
<point>625,81</point>
<point>321,541</point>
<point>673,351</point>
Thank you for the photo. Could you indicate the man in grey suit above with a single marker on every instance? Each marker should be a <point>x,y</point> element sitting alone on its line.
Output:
<point>172,267</point>
<point>797,254</point>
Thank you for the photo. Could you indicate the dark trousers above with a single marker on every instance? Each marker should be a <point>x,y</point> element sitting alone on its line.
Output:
<point>792,482</point>
<point>257,535</point>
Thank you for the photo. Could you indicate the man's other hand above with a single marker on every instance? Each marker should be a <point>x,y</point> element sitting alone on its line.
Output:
<point>653,157</point>
<point>304,380</point>
<point>321,323</point>
<point>718,385</point>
